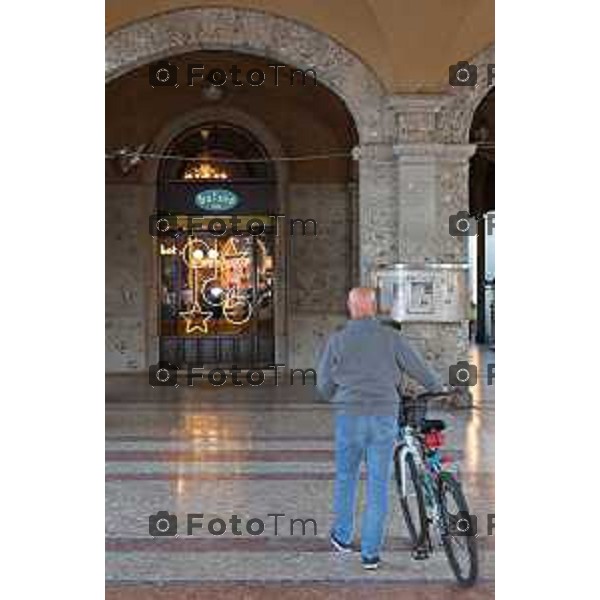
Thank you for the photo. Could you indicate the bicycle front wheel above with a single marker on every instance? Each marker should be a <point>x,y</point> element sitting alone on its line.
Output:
<point>461,549</point>
<point>410,492</point>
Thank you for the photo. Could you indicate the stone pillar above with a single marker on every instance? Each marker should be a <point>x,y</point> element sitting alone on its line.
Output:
<point>378,208</point>
<point>432,185</point>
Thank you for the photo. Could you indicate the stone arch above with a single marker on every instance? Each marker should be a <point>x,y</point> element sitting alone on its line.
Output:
<point>258,33</point>
<point>457,114</point>
<point>197,116</point>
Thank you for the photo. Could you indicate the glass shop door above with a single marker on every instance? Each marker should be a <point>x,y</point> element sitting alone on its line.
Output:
<point>216,299</point>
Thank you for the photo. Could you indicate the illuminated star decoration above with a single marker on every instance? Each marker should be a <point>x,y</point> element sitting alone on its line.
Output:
<point>196,319</point>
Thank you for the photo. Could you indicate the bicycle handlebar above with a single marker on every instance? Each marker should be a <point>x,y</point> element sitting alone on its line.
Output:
<point>426,395</point>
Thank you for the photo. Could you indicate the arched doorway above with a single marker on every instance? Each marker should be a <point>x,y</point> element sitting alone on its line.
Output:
<point>280,40</point>
<point>216,198</point>
<point>267,126</point>
<point>482,203</point>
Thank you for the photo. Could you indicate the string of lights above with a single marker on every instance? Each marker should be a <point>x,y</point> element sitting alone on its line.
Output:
<point>354,154</point>
<point>156,156</point>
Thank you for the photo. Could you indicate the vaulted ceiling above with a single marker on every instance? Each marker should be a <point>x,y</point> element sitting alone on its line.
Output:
<point>408,43</point>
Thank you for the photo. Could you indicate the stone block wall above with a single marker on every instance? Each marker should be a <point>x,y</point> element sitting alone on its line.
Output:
<point>377,208</point>
<point>125,271</point>
<point>318,274</point>
<point>308,334</point>
<point>319,268</point>
<point>441,344</point>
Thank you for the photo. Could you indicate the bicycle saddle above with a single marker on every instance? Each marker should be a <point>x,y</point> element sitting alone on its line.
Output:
<point>429,425</point>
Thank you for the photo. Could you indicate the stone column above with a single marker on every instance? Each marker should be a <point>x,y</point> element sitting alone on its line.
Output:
<point>432,185</point>
<point>377,208</point>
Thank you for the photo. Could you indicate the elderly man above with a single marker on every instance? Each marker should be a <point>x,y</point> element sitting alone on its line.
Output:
<point>360,370</point>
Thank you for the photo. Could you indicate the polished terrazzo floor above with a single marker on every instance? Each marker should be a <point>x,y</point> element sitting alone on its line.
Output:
<point>250,452</point>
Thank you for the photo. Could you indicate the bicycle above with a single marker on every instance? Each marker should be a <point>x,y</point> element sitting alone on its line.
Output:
<point>427,489</point>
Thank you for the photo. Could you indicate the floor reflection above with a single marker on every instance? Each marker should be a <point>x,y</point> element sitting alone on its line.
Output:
<point>479,426</point>
<point>251,452</point>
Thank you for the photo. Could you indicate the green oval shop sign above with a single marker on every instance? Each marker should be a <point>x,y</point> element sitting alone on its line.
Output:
<point>217,199</point>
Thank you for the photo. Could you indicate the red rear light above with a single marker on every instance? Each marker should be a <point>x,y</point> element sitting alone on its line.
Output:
<point>434,439</point>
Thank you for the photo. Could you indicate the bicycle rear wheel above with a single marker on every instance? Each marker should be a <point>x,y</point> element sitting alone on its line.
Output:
<point>413,507</point>
<point>461,549</point>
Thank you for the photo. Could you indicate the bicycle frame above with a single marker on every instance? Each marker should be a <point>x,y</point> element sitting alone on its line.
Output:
<point>434,482</point>
<point>409,444</point>
<point>430,471</point>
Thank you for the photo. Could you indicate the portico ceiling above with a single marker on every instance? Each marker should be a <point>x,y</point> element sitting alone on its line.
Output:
<point>408,43</point>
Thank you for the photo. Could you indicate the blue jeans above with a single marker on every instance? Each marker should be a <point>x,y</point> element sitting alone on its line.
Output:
<point>372,438</point>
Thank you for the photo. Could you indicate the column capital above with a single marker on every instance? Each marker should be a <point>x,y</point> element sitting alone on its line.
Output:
<point>414,117</point>
<point>413,103</point>
<point>379,151</point>
<point>427,153</point>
